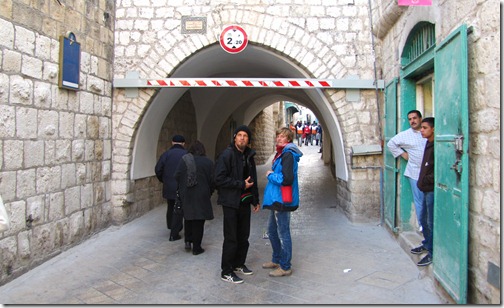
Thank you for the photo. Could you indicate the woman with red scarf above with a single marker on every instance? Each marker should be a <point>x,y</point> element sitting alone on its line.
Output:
<point>281,196</point>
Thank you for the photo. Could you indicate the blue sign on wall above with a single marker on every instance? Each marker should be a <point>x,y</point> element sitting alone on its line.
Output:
<point>69,62</point>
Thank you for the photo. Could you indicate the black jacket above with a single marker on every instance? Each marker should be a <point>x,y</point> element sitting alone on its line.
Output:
<point>426,178</point>
<point>229,177</point>
<point>196,203</point>
<point>165,169</point>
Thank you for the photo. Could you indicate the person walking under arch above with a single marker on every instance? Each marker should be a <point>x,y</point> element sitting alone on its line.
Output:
<point>195,178</point>
<point>236,181</point>
<point>292,127</point>
<point>307,134</point>
<point>313,128</point>
<point>299,133</point>
<point>282,185</point>
<point>318,136</point>
<point>165,169</point>
<point>410,145</point>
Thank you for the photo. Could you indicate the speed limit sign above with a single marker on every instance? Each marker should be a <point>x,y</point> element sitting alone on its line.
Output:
<point>233,39</point>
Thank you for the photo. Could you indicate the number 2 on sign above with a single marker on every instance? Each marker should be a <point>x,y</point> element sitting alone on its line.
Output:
<point>230,41</point>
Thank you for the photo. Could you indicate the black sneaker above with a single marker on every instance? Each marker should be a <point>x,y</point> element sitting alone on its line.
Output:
<point>231,278</point>
<point>425,260</point>
<point>418,250</point>
<point>244,270</point>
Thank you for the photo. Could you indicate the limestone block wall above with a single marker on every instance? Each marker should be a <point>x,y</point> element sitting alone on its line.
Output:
<point>484,112</point>
<point>360,196</point>
<point>55,144</point>
<point>264,127</point>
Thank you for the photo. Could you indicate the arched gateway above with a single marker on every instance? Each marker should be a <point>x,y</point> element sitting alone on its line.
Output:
<point>154,44</point>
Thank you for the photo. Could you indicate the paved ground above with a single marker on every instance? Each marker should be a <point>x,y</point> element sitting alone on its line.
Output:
<point>334,261</point>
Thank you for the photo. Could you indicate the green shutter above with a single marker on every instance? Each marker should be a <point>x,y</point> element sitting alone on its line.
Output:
<point>390,172</point>
<point>451,192</point>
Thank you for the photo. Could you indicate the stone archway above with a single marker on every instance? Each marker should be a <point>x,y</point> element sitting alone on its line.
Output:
<point>278,48</point>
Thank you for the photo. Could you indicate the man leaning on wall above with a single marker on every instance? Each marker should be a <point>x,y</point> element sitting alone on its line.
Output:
<point>410,145</point>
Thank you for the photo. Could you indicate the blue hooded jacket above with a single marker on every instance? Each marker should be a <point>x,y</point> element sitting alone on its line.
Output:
<point>285,172</point>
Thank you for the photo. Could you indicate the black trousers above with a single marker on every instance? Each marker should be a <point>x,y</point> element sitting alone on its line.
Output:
<point>173,221</point>
<point>236,234</point>
<point>194,232</point>
<point>169,212</point>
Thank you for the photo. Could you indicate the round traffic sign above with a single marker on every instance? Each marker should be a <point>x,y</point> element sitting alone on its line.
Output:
<point>233,39</point>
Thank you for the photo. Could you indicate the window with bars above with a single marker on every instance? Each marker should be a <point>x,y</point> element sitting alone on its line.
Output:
<point>421,39</point>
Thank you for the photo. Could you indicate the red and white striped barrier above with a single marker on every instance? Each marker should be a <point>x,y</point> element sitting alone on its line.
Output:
<point>133,82</point>
<point>247,83</point>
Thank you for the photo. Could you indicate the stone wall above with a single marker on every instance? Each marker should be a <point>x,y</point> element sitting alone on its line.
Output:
<point>264,136</point>
<point>55,144</point>
<point>360,197</point>
<point>180,121</point>
<point>394,25</point>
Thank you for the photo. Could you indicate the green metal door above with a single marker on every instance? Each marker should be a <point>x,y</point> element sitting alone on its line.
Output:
<point>451,192</point>
<point>390,172</point>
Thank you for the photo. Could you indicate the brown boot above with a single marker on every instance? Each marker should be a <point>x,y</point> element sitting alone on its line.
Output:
<point>279,272</point>
<point>270,265</point>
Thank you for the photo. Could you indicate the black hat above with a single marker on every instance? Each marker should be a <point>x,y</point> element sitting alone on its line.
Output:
<point>243,128</point>
<point>178,138</point>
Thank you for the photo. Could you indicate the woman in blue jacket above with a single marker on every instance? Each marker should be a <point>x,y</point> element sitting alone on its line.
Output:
<point>284,173</point>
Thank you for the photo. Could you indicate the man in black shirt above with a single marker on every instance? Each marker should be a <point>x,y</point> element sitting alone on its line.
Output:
<point>236,181</point>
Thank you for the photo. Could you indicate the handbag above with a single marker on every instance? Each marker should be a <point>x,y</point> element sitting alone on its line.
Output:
<point>177,208</point>
<point>286,193</point>
<point>4,218</point>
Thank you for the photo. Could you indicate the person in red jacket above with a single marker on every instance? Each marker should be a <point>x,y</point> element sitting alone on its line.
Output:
<point>307,133</point>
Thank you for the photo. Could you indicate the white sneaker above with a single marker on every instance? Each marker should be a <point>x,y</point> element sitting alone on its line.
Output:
<point>232,278</point>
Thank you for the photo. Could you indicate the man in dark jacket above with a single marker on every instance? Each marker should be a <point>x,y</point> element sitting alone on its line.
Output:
<point>236,182</point>
<point>165,170</point>
<point>426,185</point>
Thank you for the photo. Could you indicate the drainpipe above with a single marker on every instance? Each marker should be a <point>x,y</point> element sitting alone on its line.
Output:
<point>378,115</point>
<point>361,153</point>
<point>375,71</point>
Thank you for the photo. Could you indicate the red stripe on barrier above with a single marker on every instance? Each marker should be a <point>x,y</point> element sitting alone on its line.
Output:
<point>248,83</point>
<point>278,83</point>
<point>231,83</point>
<point>325,84</point>
<point>215,82</point>
<point>201,83</point>
<point>185,83</point>
<point>262,83</point>
<point>294,83</point>
<point>309,83</point>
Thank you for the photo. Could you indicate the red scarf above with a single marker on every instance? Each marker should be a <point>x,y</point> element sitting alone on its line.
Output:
<point>279,149</point>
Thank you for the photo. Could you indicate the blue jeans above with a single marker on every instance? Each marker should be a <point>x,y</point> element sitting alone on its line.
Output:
<point>418,198</point>
<point>428,221</point>
<point>280,238</point>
